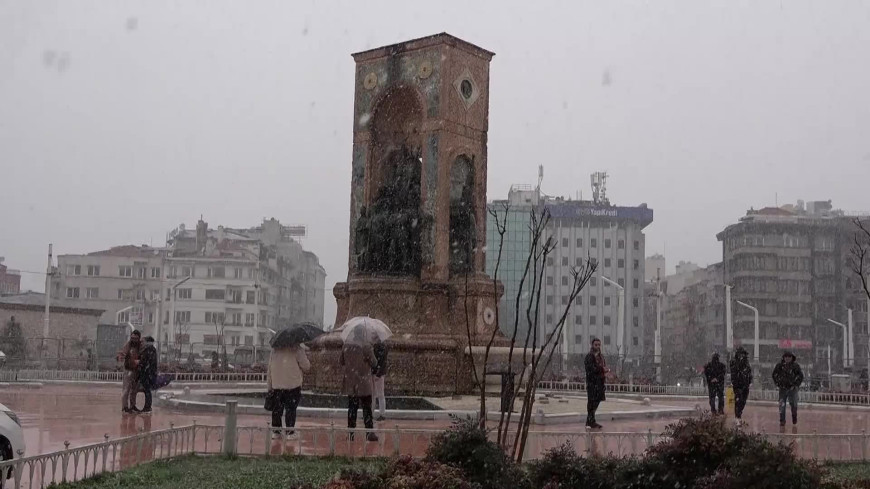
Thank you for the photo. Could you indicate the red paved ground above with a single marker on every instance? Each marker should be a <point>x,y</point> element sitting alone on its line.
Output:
<point>84,414</point>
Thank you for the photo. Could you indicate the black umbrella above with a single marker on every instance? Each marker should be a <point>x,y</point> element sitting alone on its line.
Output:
<point>295,335</point>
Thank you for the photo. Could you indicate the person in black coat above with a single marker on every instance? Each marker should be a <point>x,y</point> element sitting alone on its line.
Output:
<point>741,379</point>
<point>714,372</point>
<point>148,371</point>
<point>596,371</point>
<point>788,377</point>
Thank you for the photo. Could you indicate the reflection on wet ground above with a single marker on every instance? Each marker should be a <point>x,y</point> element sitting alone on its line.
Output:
<point>84,414</point>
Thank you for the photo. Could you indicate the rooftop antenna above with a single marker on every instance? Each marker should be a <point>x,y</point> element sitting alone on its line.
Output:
<point>540,176</point>
<point>599,188</point>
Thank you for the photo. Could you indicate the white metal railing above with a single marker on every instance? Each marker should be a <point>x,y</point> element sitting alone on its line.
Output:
<point>98,376</point>
<point>701,391</point>
<point>74,464</point>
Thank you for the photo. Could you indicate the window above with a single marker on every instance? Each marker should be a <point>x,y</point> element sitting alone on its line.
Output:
<point>236,319</point>
<point>549,280</point>
<point>237,273</point>
<point>74,270</point>
<point>593,301</point>
<point>140,295</point>
<point>606,339</point>
<point>249,341</point>
<point>187,272</point>
<point>72,292</point>
<point>579,242</point>
<point>578,339</point>
<point>607,263</point>
<point>250,297</point>
<point>607,243</point>
<point>235,296</point>
<point>155,272</point>
<point>621,282</point>
<point>564,280</point>
<point>141,272</point>
<point>565,300</point>
<point>564,261</point>
<point>210,339</point>
<point>249,319</point>
<point>634,302</point>
<point>216,272</point>
<point>182,317</point>
<point>593,281</point>
<point>635,283</point>
<point>93,270</point>
<point>121,294</point>
<point>620,244</point>
<point>172,272</point>
<point>634,341</point>
<point>607,301</point>
<point>593,243</point>
<point>215,294</point>
<point>620,263</point>
<point>578,301</point>
<point>578,262</point>
<point>549,319</point>
<point>124,317</point>
<point>549,300</point>
<point>564,242</point>
<point>215,317</point>
<point>182,339</point>
<point>184,294</point>
<point>549,261</point>
<point>636,265</point>
<point>635,321</point>
<point>125,271</point>
<point>578,320</point>
<point>636,245</point>
<point>592,320</point>
<point>93,293</point>
<point>251,273</point>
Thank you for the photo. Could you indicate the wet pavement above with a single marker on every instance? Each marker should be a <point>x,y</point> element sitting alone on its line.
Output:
<point>83,414</point>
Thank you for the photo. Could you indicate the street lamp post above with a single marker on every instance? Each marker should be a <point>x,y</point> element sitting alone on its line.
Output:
<point>729,322</point>
<point>757,352</point>
<point>846,341</point>
<point>620,316</point>
<point>657,351</point>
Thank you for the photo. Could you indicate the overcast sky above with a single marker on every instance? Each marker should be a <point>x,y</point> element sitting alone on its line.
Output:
<point>121,119</point>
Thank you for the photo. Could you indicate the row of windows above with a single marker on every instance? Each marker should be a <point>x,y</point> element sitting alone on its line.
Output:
<point>141,272</point>
<point>593,243</point>
<point>578,262</point>
<point>593,320</point>
<point>221,317</point>
<point>593,300</point>
<point>605,340</point>
<point>593,282</point>
<point>127,271</point>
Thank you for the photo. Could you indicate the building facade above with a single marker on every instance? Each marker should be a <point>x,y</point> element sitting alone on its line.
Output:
<point>792,264</point>
<point>611,236</point>
<point>10,280</point>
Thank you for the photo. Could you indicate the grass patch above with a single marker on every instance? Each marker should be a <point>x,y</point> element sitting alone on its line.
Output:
<point>849,472</point>
<point>227,473</point>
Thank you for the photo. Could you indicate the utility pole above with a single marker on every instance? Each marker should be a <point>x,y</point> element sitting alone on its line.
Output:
<point>46,319</point>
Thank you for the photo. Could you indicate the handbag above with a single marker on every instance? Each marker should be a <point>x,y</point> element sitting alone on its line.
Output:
<point>271,401</point>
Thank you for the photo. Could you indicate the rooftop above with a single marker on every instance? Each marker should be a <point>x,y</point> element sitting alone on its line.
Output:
<point>129,251</point>
<point>421,43</point>
<point>35,301</point>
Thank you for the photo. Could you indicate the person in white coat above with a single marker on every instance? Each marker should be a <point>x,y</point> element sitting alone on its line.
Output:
<point>284,380</point>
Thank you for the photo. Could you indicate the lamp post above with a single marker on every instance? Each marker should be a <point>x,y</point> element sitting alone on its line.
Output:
<point>845,341</point>
<point>657,352</point>
<point>729,322</point>
<point>757,353</point>
<point>620,316</point>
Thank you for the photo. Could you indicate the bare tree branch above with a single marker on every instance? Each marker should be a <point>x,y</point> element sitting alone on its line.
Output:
<point>860,254</point>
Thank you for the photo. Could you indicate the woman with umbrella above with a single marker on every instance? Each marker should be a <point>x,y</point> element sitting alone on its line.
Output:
<point>284,378</point>
<point>358,359</point>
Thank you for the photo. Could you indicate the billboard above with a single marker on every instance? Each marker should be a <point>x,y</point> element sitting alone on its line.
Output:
<point>578,209</point>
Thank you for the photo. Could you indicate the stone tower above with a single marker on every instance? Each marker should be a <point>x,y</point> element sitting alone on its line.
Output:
<point>418,191</point>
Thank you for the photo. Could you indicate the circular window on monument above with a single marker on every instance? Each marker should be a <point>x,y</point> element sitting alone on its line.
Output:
<point>466,88</point>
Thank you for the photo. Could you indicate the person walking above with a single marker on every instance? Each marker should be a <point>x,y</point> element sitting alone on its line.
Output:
<point>147,372</point>
<point>130,356</point>
<point>358,360</point>
<point>714,372</point>
<point>378,374</point>
<point>284,381</point>
<point>741,379</point>
<point>596,371</point>
<point>788,377</point>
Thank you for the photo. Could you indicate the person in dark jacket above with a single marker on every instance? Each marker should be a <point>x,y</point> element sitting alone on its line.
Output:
<point>379,371</point>
<point>741,379</point>
<point>147,371</point>
<point>130,385</point>
<point>596,370</point>
<point>714,372</point>
<point>788,377</point>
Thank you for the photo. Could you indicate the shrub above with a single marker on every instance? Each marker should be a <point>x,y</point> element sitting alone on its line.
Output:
<point>467,447</point>
<point>405,473</point>
<point>562,468</point>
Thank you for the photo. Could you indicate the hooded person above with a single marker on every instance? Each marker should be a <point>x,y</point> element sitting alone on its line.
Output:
<point>741,379</point>
<point>147,371</point>
<point>596,372</point>
<point>129,354</point>
<point>788,377</point>
<point>714,372</point>
<point>357,361</point>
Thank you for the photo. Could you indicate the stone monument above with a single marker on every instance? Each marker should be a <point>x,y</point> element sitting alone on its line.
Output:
<point>418,211</point>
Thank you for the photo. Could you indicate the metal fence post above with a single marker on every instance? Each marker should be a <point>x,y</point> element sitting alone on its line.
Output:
<point>396,436</point>
<point>230,429</point>
<point>332,438</point>
<point>649,438</point>
<point>864,445</point>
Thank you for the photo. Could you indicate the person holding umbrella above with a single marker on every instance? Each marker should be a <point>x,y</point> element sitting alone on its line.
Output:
<point>358,360</point>
<point>287,363</point>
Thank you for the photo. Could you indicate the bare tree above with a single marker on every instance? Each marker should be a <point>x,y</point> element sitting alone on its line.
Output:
<point>860,254</point>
